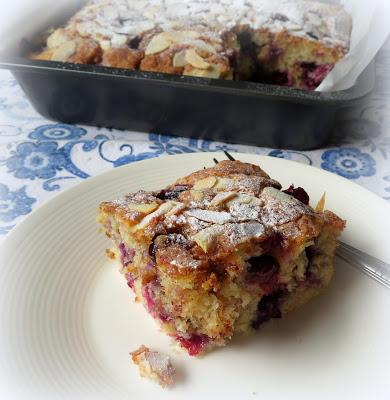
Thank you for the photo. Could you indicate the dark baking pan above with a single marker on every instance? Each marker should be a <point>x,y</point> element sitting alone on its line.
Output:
<point>230,111</point>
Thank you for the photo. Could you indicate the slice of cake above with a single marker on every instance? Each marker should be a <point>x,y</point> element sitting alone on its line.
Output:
<point>286,42</point>
<point>221,251</point>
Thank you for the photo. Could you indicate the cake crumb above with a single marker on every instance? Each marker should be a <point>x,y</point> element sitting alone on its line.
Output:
<point>110,254</point>
<point>154,365</point>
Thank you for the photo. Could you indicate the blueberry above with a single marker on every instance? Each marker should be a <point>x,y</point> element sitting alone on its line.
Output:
<point>172,194</point>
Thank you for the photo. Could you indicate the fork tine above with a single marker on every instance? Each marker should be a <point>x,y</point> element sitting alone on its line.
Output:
<point>229,156</point>
<point>215,160</point>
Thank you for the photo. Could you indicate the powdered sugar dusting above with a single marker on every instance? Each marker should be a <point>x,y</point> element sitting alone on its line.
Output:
<point>280,208</point>
<point>215,217</point>
<point>120,20</point>
<point>246,184</point>
<point>159,362</point>
<point>194,224</point>
<point>244,212</point>
<point>241,208</point>
<point>239,233</point>
<point>154,365</point>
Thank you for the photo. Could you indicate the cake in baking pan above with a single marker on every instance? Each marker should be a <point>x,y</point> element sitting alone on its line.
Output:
<point>292,43</point>
<point>221,251</point>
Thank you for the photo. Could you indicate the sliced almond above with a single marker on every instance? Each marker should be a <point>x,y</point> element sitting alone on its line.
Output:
<point>196,195</point>
<point>162,210</point>
<point>207,237</point>
<point>144,208</point>
<point>57,38</point>
<point>193,58</point>
<point>157,45</point>
<point>206,183</point>
<point>189,34</point>
<point>64,51</point>
<point>212,72</point>
<point>169,36</point>
<point>215,217</point>
<point>278,195</point>
<point>224,183</point>
<point>105,44</point>
<point>204,46</point>
<point>181,37</point>
<point>321,203</point>
<point>242,198</point>
<point>176,208</point>
<point>142,26</point>
<point>222,198</point>
<point>179,59</point>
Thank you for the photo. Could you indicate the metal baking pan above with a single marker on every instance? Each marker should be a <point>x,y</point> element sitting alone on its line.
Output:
<point>229,111</point>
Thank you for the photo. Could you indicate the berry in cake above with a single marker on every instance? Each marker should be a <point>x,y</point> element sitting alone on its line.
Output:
<point>285,42</point>
<point>221,251</point>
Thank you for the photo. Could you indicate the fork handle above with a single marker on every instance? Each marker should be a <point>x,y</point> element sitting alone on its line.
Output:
<point>371,266</point>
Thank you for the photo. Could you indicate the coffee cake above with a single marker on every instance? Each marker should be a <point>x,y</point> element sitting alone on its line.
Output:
<point>287,42</point>
<point>221,251</point>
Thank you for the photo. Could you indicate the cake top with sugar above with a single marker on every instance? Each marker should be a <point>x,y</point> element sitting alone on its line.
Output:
<point>121,20</point>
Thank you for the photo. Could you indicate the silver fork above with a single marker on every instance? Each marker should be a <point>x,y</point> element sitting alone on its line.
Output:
<point>371,266</point>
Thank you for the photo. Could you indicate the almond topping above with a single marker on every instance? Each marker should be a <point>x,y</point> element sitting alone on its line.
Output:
<point>144,208</point>
<point>57,38</point>
<point>222,198</point>
<point>193,58</point>
<point>212,72</point>
<point>206,183</point>
<point>321,204</point>
<point>203,46</point>
<point>179,59</point>
<point>105,44</point>
<point>196,195</point>
<point>215,217</point>
<point>63,52</point>
<point>157,45</point>
<point>189,34</point>
<point>207,237</point>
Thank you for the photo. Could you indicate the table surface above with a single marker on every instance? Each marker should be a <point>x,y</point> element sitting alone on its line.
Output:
<point>40,158</point>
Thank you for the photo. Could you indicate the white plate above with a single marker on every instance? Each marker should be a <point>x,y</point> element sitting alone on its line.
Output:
<point>68,319</point>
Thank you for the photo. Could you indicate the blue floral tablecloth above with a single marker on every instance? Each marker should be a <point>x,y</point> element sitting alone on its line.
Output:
<point>40,158</point>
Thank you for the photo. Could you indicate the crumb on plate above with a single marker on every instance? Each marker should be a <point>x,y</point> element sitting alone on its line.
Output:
<point>154,365</point>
